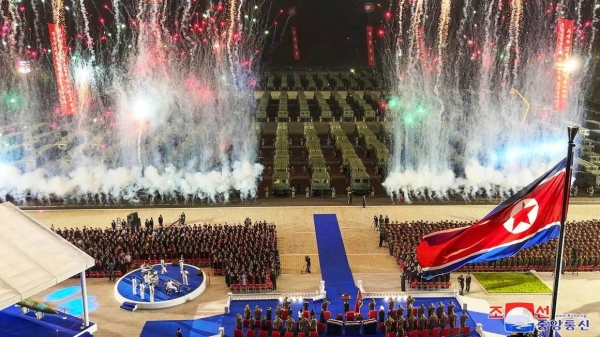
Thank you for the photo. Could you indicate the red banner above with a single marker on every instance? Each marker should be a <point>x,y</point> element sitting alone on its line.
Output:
<point>295,44</point>
<point>60,56</point>
<point>370,47</point>
<point>564,47</point>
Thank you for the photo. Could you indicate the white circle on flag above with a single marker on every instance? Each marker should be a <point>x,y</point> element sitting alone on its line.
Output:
<point>516,215</point>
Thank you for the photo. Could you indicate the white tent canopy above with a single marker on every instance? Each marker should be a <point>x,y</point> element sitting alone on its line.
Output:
<point>32,257</point>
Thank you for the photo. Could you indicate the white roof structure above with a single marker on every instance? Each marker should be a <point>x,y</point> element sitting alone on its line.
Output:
<point>32,257</point>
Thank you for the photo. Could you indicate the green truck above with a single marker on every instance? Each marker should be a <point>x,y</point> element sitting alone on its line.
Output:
<point>281,176</point>
<point>360,182</point>
<point>320,183</point>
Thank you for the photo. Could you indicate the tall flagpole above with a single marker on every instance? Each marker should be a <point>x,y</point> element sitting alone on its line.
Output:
<point>572,132</point>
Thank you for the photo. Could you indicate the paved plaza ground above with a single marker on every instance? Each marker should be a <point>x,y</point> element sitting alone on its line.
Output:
<point>296,233</point>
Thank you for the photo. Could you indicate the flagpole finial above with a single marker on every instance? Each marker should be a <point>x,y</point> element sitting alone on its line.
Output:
<point>572,131</point>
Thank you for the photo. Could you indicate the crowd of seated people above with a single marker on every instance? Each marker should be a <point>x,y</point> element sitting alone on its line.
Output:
<point>244,253</point>
<point>581,253</point>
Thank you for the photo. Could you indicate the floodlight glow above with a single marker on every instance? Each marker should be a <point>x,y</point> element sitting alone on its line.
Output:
<point>571,65</point>
<point>141,110</point>
<point>23,67</point>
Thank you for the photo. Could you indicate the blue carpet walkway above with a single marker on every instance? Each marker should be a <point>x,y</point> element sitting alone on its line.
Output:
<point>335,269</point>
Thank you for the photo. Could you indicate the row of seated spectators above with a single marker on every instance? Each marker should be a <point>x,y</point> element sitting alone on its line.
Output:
<point>245,253</point>
<point>582,248</point>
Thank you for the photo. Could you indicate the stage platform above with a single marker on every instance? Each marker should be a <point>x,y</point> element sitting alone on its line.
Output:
<point>13,323</point>
<point>124,292</point>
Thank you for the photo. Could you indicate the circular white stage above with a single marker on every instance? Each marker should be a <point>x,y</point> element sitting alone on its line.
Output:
<point>162,299</point>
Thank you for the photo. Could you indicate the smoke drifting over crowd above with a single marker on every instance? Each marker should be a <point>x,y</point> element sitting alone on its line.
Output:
<point>459,97</point>
<point>164,100</point>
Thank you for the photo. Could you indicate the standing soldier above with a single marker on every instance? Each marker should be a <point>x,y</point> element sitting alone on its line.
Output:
<point>134,285</point>
<point>463,319</point>
<point>151,289</point>
<point>313,324</point>
<point>452,320</point>
<point>391,304</point>
<point>293,192</point>
<point>400,311</point>
<point>277,324</point>
<point>257,313</point>
<point>289,324</point>
<point>400,327</point>
<point>388,325</point>
<point>184,276</point>
<point>303,325</point>
<point>163,266</point>
<point>401,323</point>
<point>421,311</point>
<point>440,310</point>
<point>238,322</point>
<point>411,323</point>
<point>432,321</point>
<point>333,192</point>
<point>142,289</point>
<point>263,324</point>
<point>422,322</point>
<point>251,323</point>
<point>372,304</point>
<point>410,310</point>
<point>430,310</point>
<point>364,201</point>
<point>468,282</point>
<point>381,314</point>
<point>461,283</point>
<point>307,190</point>
<point>443,320</point>
<point>278,312</point>
<point>349,192</point>
<point>410,300</point>
<point>286,303</point>
<point>111,271</point>
<point>247,312</point>
<point>450,309</point>
<point>376,222</point>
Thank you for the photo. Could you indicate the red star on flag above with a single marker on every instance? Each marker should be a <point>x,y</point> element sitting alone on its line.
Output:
<point>522,216</point>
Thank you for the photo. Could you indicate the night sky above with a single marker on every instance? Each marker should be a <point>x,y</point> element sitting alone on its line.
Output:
<point>331,33</point>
